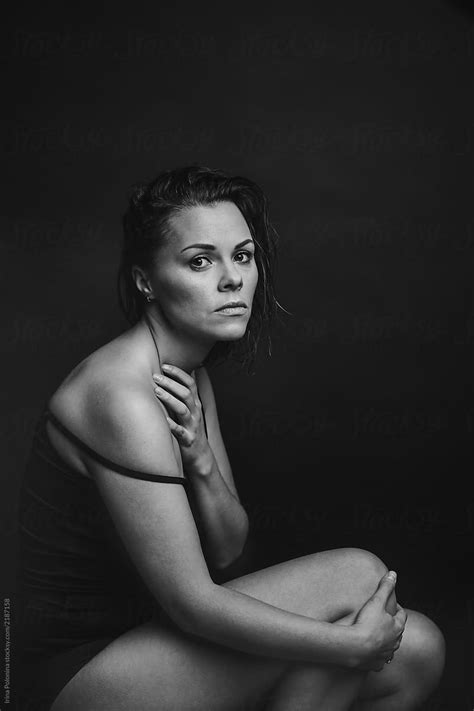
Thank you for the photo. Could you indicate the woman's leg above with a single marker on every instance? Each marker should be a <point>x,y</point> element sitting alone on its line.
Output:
<point>158,667</point>
<point>403,685</point>
<point>414,672</point>
<point>306,687</point>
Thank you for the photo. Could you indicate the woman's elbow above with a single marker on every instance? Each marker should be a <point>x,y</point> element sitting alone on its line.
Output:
<point>188,614</point>
<point>241,555</point>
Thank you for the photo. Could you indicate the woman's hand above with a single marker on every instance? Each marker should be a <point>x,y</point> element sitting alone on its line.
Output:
<point>177,391</point>
<point>381,632</point>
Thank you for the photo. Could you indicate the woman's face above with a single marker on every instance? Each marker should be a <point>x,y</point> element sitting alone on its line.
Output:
<point>206,262</point>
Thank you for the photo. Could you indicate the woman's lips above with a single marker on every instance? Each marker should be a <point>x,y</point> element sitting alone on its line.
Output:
<point>232,310</point>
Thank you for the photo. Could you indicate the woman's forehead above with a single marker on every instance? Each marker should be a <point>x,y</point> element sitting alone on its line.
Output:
<point>222,224</point>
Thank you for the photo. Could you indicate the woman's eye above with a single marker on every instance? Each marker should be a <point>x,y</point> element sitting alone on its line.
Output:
<point>246,253</point>
<point>249,255</point>
<point>196,259</point>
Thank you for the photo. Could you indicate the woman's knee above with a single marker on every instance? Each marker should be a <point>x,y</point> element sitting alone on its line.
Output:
<point>366,564</point>
<point>424,652</point>
<point>364,571</point>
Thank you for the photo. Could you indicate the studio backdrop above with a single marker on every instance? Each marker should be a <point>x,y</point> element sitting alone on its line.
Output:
<point>355,427</point>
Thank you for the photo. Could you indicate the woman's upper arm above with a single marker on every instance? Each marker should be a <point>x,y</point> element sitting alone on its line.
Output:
<point>153,519</point>
<point>216,442</point>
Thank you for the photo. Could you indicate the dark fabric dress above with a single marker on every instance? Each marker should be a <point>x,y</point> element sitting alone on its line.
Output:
<point>77,587</point>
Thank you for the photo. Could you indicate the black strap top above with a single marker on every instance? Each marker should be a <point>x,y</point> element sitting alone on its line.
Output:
<point>107,462</point>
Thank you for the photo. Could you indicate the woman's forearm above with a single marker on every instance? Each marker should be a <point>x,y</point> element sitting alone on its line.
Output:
<point>221,519</point>
<point>233,619</point>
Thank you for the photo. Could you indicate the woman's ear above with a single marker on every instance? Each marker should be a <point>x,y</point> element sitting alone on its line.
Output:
<point>141,280</point>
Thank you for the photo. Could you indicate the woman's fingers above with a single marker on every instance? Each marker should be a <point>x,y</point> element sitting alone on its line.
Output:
<point>177,407</point>
<point>177,389</point>
<point>387,625</point>
<point>379,664</point>
<point>401,618</point>
<point>180,375</point>
<point>386,587</point>
<point>177,430</point>
<point>175,394</point>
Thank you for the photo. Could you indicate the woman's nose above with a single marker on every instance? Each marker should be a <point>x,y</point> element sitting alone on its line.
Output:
<point>231,276</point>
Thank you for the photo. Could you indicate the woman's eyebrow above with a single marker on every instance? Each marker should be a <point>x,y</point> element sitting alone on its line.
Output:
<point>211,246</point>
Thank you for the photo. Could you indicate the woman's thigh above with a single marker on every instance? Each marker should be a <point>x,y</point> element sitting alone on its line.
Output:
<point>162,667</point>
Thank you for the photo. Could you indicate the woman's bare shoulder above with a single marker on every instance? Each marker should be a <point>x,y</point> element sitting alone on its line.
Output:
<point>88,392</point>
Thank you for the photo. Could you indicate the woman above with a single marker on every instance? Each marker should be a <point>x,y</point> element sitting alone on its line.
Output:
<point>128,500</point>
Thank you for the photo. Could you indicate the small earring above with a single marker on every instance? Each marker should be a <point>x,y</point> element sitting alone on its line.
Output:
<point>149,298</point>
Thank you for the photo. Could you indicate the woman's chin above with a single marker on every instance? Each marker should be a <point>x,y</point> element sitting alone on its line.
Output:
<point>231,334</point>
<point>235,329</point>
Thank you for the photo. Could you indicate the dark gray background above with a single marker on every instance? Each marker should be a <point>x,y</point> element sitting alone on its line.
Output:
<point>357,120</point>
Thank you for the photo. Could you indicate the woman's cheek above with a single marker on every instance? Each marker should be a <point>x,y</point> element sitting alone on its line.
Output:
<point>255,277</point>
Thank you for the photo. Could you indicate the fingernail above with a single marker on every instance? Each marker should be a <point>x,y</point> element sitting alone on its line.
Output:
<point>165,366</point>
<point>392,574</point>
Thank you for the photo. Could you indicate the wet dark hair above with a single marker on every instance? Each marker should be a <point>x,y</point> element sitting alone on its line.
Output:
<point>146,226</point>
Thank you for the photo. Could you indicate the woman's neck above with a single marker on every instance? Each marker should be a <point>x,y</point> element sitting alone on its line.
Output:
<point>163,348</point>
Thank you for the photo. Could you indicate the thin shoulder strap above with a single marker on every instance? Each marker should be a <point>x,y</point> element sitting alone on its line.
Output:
<point>107,462</point>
